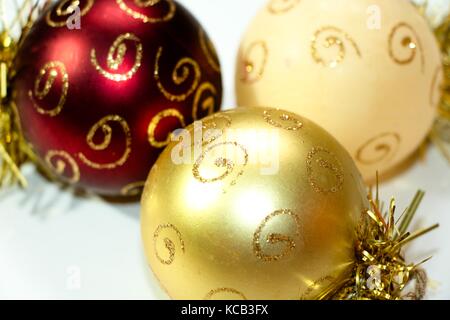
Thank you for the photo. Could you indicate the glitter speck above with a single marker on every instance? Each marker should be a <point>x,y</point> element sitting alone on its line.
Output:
<point>407,42</point>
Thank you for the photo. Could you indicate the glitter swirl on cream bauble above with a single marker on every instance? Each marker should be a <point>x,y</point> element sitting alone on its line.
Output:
<point>368,71</point>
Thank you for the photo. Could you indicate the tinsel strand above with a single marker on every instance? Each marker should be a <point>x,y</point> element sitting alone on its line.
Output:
<point>440,134</point>
<point>381,271</point>
<point>14,151</point>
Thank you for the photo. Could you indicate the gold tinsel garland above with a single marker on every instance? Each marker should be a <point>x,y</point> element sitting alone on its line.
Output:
<point>440,134</point>
<point>14,150</point>
<point>443,36</point>
<point>380,271</point>
<point>10,138</point>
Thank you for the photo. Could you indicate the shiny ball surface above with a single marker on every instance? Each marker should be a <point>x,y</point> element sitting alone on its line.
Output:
<point>252,203</point>
<point>99,94</point>
<point>369,72</point>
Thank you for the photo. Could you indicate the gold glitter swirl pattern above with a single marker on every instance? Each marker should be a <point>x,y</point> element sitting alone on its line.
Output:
<point>281,119</point>
<point>208,50</point>
<point>169,244</point>
<point>106,129</point>
<point>116,57</point>
<point>213,127</point>
<point>325,172</point>
<point>217,121</point>
<point>334,38</point>
<point>180,75</point>
<point>65,9</point>
<point>281,6</point>
<point>410,42</point>
<point>227,163</point>
<point>320,286</point>
<point>380,148</point>
<point>208,103</point>
<point>133,189</point>
<point>231,291</point>
<point>145,4</point>
<point>286,241</point>
<point>254,62</point>
<point>155,122</point>
<point>436,87</point>
<point>52,70</point>
<point>58,160</point>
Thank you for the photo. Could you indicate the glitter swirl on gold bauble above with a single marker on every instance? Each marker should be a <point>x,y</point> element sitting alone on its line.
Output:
<point>264,206</point>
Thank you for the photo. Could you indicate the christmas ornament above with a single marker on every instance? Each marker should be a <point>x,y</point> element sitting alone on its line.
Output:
<point>369,72</point>
<point>253,203</point>
<point>101,85</point>
<point>259,203</point>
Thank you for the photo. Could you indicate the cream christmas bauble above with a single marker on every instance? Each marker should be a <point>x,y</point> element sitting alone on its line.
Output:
<point>368,71</point>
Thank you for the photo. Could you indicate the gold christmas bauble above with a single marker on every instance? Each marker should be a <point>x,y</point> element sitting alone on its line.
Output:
<point>368,71</point>
<point>252,203</point>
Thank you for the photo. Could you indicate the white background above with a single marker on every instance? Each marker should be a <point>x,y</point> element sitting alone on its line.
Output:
<point>50,239</point>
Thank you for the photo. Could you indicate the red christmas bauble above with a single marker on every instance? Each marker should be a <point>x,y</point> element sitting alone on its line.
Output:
<point>100,87</point>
